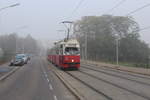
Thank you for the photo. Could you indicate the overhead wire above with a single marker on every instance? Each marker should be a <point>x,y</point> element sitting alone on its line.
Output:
<point>138,9</point>
<point>116,6</point>
<point>145,28</point>
<point>76,8</point>
<point>134,11</point>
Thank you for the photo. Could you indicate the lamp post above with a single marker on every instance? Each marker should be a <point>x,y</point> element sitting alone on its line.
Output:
<point>117,43</point>
<point>117,49</point>
<point>10,6</point>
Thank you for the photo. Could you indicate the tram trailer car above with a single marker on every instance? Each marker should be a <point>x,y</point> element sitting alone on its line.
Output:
<point>65,54</point>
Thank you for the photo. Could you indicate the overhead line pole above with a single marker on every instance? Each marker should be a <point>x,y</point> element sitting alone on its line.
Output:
<point>10,6</point>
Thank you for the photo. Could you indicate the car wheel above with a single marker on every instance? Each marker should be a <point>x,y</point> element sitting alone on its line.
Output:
<point>10,64</point>
<point>22,64</point>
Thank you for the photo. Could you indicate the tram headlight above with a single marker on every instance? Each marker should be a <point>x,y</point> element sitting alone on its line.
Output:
<point>72,60</point>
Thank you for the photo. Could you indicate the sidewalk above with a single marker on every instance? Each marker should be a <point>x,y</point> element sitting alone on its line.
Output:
<point>4,65</point>
<point>143,71</point>
<point>5,68</point>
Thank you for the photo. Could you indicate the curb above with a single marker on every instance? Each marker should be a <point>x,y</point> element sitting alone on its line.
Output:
<point>69,86</point>
<point>8,74</point>
<point>119,68</point>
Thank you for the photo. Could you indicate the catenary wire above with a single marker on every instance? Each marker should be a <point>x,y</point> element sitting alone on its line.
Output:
<point>116,6</point>
<point>138,9</point>
<point>76,8</point>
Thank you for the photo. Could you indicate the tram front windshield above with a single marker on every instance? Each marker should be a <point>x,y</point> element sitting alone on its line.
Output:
<point>71,51</point>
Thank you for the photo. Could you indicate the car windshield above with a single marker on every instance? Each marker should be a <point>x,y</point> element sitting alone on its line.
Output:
<point>19,57</point>
<point>71,51</point>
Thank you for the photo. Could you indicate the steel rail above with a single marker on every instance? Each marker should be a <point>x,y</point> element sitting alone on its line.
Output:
<point>91,87</point>
<point>143,83</point>
<point>118,86</point>
<point>118,71</point>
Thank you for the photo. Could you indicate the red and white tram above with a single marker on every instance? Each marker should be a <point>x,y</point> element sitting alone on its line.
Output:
<point>65,54</point>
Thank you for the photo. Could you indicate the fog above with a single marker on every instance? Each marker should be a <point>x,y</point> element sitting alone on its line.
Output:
<point>42,18</point>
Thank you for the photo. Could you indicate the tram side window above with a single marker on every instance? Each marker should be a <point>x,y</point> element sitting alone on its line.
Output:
<point>57,51</point>
<point>61,50</point>
<point>71,51</point>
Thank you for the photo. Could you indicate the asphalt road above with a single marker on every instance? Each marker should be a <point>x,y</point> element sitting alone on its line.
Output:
<point>34,81</point>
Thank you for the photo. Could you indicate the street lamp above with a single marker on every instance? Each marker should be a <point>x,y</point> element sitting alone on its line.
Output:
<point>13,5</point>
<point>117,43</point>
<point>10,6</point>
<point>117,49</point>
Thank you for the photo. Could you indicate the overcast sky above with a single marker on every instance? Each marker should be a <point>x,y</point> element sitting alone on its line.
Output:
<point>41,18</point>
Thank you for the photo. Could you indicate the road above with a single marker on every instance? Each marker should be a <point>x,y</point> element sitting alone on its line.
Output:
<point>34,82</point>
<point>38,80</point>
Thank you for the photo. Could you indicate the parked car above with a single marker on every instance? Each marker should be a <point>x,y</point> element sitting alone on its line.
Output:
<point>17,61</point>
<point>28,56</point>
<point>24,57</point>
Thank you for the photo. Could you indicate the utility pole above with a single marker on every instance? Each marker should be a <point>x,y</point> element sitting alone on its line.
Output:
<point>23,46</point>
<point>117,44</point>
<point>85,46</point>
<point>117,51</point>
<point>11,6</point>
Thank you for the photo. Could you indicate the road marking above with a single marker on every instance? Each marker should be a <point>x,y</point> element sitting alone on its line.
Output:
<point>50,86</point>
<point>46,75</point>
<point>44,72</point>
<point>55,98</point>
<point>48,80</point>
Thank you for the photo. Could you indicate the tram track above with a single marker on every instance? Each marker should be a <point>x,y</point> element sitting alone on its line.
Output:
<point>118,71</point>
<point>76,91</point>
<point>122,77</point>
<point>59,76</point>
<point>124,73</point>
<point>117,86</point>
<point>113,86</point>
<point>94,89</point>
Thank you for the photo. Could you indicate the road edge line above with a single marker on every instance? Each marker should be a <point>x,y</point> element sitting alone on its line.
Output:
<point>8,74</point>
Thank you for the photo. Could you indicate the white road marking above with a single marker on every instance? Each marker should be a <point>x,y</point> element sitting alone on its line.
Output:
<point>44,72</point>
<point>48,80</point>
<point>50,87</point>
<point>55,98</point>
<point>46,75</point>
